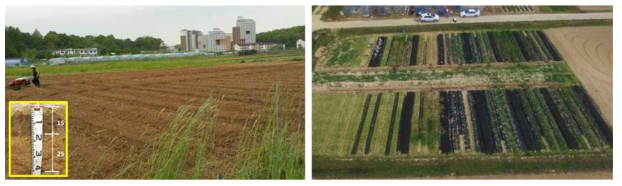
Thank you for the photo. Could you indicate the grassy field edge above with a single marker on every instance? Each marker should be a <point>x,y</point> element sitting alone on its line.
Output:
<point>456,165</point>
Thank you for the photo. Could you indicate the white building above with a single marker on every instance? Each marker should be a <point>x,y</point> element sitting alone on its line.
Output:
<point>250,46</point>
<point>82,52</point>
<point>190,40</point>
<point>268,46</point>
<point>258,46</point>
<point>214,41</point>
<point>247,30</point>
<point>300,44</point>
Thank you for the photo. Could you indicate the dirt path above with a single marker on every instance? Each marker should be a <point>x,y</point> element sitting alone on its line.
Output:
<point>589,53</point>
<point>319,24</point>
<point>111,113</point>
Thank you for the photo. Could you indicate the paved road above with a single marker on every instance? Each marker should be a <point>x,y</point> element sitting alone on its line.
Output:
<point>318,24</point>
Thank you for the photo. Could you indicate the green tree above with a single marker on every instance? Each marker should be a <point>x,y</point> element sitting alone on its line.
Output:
<point>9,49</point>
<point>51,40</point>
<point>18,43</point>
<point>30,54</point>
<point>288,36</point>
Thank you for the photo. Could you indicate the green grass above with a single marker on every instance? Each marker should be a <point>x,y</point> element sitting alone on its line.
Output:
<point>381,131</point>
<point>458,165</point>
<point>271,148</point>
<point>172,154</point>
<point>414,130</point>
<point>337,124</point>
<point>431,122</point>
<point>498,75</point>
<point>366,125</point>
<point>347,53</point>
<point>138,65</point>
<point>313,8</point>
<point>559,9</point>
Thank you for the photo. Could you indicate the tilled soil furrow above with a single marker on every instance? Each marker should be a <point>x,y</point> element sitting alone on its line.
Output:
<point>113,116</point>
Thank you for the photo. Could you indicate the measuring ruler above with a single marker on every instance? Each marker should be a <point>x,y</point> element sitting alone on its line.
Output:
<point>52,134</point>
<point>36,113</point>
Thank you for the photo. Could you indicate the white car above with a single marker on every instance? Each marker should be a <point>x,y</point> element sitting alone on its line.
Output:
<point>429,17</point>
<point>469,13</point>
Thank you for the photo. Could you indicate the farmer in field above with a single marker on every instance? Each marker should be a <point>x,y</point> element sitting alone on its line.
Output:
<point>35,75</point>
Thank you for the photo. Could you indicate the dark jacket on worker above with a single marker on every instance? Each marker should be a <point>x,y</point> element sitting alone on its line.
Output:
<point>35,73</point>
<point>35,79</point>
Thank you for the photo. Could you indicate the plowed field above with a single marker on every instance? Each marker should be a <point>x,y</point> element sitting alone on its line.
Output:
<point>113,114</point>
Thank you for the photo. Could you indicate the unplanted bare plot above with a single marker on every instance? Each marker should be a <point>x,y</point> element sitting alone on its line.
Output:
<point>115,114</point>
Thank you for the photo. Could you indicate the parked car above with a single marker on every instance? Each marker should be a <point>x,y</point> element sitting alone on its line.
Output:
<point>429,17</point>
<point>469,13</point>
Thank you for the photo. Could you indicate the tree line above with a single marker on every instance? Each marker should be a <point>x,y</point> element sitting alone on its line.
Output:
<point>287,36</point>
<point>37,46</point>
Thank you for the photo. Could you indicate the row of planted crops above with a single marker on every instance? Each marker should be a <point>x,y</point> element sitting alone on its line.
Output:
<point>464,48</point>
<point>479,121</point>
<point>499,46</point>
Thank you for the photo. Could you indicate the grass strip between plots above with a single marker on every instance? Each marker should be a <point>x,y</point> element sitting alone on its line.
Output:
<point>148,64</point>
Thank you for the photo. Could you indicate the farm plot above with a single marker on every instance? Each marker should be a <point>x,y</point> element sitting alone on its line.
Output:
<point>469,121</point>
<point>410,50</point>
<point>400,51</point>
<point>375,124</point>
<point>117,116</point>
<point>544,119</point>
<point>497,46</point>
<point>469,48</point>
<point>347,53</point>
<point>378,52</point>
<point>433,48</point>
<point>589,54</point>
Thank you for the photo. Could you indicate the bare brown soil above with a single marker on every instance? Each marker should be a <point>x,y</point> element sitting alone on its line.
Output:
<point>21,136</point>
<point>113,114</point>
<point>589,53</point>
<point>319,57</point>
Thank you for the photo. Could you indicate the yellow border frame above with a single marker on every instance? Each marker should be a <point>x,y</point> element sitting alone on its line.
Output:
<point>66,139</point>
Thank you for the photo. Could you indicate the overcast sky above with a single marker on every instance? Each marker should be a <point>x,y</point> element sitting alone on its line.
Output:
<point>163,22</point>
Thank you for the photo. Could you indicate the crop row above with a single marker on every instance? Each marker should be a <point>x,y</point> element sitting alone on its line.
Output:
<point>500,46</point>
